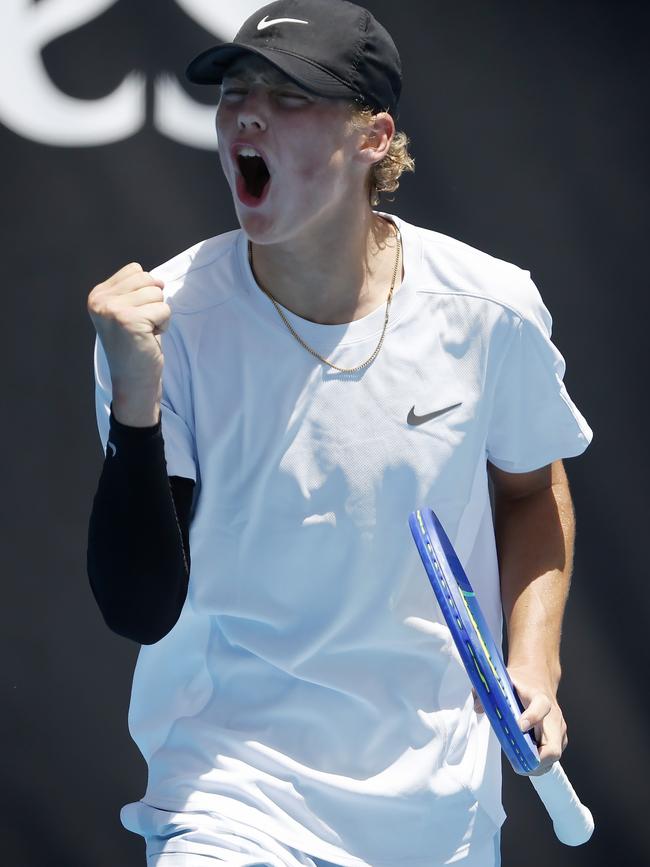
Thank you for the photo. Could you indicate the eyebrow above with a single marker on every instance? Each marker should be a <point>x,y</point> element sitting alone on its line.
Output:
<point>269,76</point>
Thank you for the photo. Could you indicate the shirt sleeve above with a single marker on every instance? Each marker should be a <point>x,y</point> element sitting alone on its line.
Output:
<point>176,407</point>
<point>533,421</point>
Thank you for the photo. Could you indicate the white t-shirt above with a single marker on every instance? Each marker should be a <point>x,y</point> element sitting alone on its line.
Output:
<point>311,688</point>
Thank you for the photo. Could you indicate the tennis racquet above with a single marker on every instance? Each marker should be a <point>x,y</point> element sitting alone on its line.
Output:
<point>572,821</point>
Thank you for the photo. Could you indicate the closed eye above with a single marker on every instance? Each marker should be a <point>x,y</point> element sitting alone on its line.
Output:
<point>234,94</point>
<point>233,91</point>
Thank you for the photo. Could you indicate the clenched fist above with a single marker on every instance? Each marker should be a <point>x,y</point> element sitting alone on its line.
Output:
<point>129,314</point>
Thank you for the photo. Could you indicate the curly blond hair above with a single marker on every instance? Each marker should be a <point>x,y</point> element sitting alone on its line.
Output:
<point>384,175</point>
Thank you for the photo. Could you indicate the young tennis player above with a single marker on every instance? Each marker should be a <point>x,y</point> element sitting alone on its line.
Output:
<point>273,403</point>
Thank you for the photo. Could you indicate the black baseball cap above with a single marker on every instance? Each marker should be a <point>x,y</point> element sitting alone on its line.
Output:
<point>332,48</point>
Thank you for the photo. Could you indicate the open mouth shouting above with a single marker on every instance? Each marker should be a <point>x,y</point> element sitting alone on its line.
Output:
<point>253,177</point>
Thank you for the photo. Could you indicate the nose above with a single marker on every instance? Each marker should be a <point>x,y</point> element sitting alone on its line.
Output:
<point>251,113</point>
<point>248,120</point>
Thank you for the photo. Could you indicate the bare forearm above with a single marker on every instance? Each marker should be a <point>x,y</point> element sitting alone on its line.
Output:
<point>137,404</point>
<point>535,542</point>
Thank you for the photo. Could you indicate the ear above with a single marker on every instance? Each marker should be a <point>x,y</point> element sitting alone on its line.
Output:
<point>376,138</point>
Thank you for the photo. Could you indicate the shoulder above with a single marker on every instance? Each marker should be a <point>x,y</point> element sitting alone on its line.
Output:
<point>203,276</point>
<point>455,267</point>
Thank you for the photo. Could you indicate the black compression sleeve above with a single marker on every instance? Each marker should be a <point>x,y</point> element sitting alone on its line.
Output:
<point>183,496</point>
<point>138,548</point>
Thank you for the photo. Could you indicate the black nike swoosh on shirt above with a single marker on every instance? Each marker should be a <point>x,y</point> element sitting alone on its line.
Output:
<point>414,419</point>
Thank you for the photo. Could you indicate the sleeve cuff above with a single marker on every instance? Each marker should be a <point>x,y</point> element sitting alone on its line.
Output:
<point>119,432</point>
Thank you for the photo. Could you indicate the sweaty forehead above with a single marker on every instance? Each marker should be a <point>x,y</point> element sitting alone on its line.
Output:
<point>251,67</point>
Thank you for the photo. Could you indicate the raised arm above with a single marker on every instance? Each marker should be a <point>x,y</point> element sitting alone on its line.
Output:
<point>138,548</point>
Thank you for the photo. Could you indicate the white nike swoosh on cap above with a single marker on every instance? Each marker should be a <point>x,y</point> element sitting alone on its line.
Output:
<point>266,23</point>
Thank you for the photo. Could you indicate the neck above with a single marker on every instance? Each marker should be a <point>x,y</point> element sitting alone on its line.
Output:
<point>339,273</point>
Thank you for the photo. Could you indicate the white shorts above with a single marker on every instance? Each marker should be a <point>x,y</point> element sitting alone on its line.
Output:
<point>203,840</point>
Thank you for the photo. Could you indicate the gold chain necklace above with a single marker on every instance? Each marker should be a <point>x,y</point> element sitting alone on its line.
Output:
<point>302,342</point>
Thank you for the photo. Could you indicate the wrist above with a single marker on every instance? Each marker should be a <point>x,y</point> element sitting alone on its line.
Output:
<point>134,433</point>
<point>136,407</point>
<point>547,674</point>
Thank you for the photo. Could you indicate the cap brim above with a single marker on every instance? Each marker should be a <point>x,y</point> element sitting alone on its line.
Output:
<point>210,66</point>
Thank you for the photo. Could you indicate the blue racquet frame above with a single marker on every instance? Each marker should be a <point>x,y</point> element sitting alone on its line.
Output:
<point>480,655</point>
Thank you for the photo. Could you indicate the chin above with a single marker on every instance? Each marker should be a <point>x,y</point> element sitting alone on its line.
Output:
<point>258,228</point>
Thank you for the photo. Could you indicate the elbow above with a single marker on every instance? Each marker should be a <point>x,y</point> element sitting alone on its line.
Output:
<point>144,631</point>
<point>138,601</point>
<point>142,624</point>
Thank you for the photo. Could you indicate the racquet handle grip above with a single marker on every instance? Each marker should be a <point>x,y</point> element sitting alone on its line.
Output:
<point>572,821</point>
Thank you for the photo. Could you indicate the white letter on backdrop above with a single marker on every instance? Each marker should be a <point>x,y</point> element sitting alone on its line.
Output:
<point>32,106</point>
